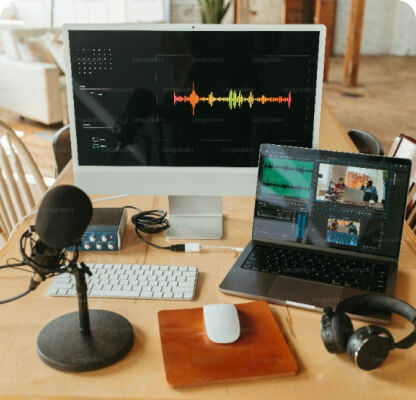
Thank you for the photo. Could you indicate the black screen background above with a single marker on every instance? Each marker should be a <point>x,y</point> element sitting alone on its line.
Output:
<point>125,115</point>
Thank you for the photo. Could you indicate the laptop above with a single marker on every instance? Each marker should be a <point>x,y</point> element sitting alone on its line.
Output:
<point>311,252</point>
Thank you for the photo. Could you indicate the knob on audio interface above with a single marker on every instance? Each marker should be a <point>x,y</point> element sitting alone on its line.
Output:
<point>105,231</point>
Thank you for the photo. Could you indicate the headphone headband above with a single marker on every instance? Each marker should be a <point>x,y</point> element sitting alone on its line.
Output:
<point>378,302</point>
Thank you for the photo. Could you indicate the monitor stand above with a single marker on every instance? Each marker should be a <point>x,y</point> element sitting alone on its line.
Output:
<point>195,217</point>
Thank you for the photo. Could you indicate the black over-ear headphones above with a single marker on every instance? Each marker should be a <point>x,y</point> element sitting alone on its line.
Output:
<point>368,346</point>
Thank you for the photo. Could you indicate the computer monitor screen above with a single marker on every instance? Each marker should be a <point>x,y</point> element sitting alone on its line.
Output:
<point>192,97</point>
<point>330,199</point>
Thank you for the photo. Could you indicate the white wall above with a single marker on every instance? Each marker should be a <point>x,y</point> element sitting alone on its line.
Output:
<point>404,33</point>
<point>112,11</point>
<point>33,12</point>
<point>36,13</point>
<point>389,27</point>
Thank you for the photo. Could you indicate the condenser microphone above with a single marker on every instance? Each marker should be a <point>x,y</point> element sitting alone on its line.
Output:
<point>87,339</point>
<point>83,340</point>
<point>63,216</point>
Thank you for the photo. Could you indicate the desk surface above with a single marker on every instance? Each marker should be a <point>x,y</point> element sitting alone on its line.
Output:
<point>140,375</point>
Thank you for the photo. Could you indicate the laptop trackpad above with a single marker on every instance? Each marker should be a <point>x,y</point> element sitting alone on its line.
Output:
<point>305,292</point>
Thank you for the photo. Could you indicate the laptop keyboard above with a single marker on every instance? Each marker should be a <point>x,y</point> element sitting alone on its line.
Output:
<point>354,273</point>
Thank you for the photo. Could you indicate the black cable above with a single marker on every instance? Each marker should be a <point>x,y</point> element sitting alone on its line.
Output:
<point>12,265</point>
<point>152,221</point>
<point>40,274</point>
<point>17,265</point>
<point>35,280</point>
<point>16,297</point>
<point>32,285</point>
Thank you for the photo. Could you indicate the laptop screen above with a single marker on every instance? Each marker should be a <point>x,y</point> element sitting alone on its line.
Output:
<point>331,199</point>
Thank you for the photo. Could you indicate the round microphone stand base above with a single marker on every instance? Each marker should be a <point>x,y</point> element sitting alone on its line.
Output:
<point>62,345</point>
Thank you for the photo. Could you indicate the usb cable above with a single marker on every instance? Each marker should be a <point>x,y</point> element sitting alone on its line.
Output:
<point>155,221</point>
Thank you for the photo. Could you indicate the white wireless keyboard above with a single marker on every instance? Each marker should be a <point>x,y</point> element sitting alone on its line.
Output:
<point>126,281</point>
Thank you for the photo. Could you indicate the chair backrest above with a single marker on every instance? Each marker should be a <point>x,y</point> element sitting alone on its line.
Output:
<point>405,147</point>
<point>61,145</point>
<point>366,142</point>
<point>21,183</point>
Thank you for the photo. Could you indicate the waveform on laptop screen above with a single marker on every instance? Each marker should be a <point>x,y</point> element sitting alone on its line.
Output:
<point>283,177</point>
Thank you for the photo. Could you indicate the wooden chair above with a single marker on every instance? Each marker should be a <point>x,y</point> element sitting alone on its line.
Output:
<point>62,148</point>
<point>366,142</point>
<point>405,147</point>
<point>21,183</point>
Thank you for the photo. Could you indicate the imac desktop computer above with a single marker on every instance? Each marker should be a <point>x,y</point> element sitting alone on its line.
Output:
<point>181,110</point>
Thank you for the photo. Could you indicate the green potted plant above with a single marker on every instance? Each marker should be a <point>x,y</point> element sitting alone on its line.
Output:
<point>213,11</point>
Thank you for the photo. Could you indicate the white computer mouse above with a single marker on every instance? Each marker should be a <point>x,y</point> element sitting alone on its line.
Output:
<point>221,323</point>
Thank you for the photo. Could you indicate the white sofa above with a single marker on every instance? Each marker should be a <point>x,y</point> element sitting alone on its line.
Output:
<point>33,90</point>
<point>34,87</point>
<point>30,88</point>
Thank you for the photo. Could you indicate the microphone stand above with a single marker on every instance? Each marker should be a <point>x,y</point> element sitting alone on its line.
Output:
<point>82,290</point>
<point>84,340</point>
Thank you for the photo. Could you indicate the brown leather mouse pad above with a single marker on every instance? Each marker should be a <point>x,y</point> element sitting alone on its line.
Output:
<point>192,359</point>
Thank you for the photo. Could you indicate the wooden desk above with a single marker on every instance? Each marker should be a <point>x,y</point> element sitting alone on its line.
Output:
<point>141,374</point>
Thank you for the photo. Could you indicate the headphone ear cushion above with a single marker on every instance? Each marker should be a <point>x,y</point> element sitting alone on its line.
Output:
<point>341,329</point>
<point>369,346</point>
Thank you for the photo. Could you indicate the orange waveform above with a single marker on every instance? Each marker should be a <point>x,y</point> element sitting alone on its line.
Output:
<point>234,99</point>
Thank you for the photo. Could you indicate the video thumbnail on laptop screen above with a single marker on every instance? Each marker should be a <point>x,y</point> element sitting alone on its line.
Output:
<point>351,185</point>
<point>343,231</point>
<point>330,199</point>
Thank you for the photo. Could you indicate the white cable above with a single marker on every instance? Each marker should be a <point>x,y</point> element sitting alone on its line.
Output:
<point>197,247</point>
<point>192,247</point>
<point>240,249</point>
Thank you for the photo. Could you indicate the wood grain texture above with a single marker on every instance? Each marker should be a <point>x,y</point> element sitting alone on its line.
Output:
<point>141,375</point>
<point>325,14</point>
<point>352,52</point>
<point>237,11</point>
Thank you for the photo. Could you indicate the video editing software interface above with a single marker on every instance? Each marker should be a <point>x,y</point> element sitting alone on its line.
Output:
<point>191,98</point>
<point>331,199</point>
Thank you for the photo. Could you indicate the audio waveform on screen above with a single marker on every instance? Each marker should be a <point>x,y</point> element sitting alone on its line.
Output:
<point>287,177</point>
<point>286,189</point>
<point>234,99</point>
<point>285,186</point>
<point>300,170</point>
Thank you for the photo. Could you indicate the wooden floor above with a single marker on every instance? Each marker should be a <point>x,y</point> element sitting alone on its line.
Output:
<point>383,103</point>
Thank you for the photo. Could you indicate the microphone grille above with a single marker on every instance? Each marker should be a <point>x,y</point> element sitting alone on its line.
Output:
<point>64,213</point>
